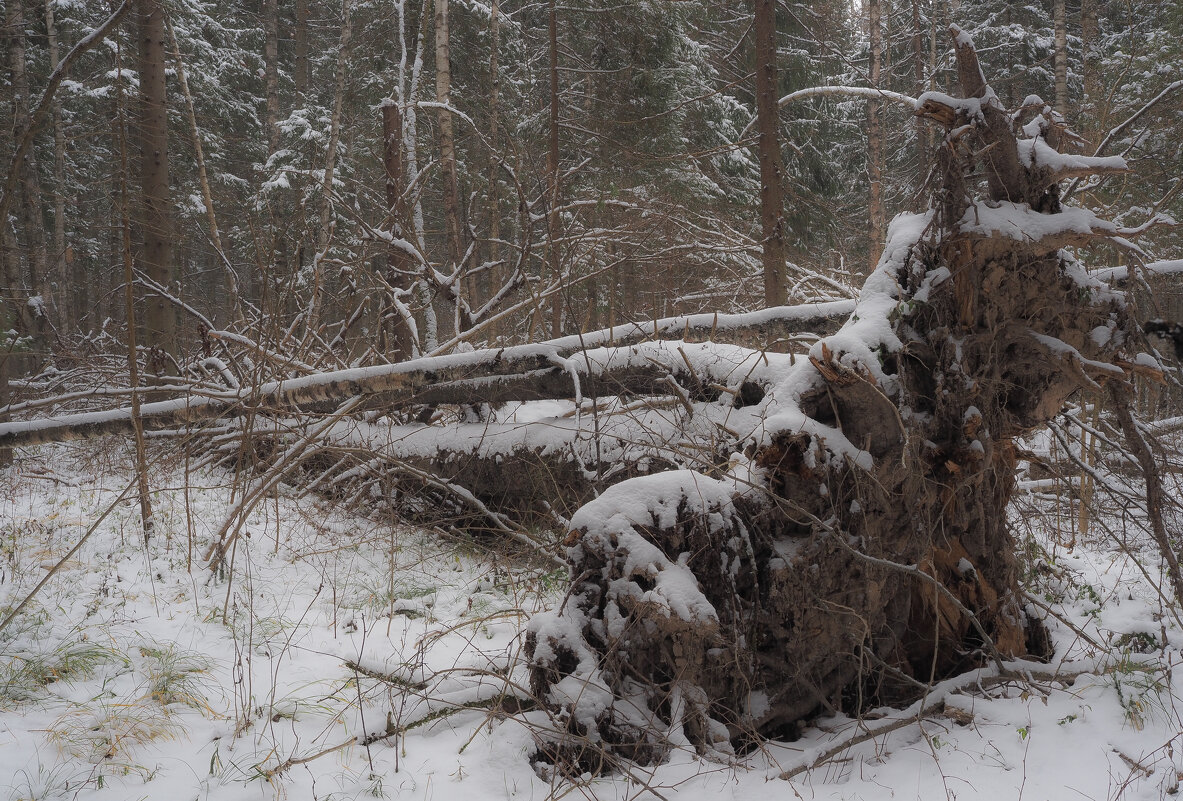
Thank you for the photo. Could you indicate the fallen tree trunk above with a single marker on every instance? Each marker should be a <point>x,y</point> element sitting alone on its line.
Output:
<point>597,364</point>
<point>858,547</point>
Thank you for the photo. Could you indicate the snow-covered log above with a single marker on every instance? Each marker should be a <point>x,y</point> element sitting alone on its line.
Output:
<point>527,460</point>
<point>857,548</point>
<point>613,361</point>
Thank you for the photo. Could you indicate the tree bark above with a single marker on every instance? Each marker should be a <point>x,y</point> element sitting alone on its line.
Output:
<point>129,306</point>
<point>919,86</point>
<point>301,71</point>
<point>492,280</point>
<point>324,231</point>
<point>874,133</point>
<point>772,212</point>
<point>447,135</point>
<point>154,211</point>
<point>431,333</point>
<point>401,344</point>
<point>29,212</point>
<point>61,255</point>
<point>1092,84</point>
<point>1059,17</point>
<point>554,180</point>
<point>271,71</point>
<point>5,355</point>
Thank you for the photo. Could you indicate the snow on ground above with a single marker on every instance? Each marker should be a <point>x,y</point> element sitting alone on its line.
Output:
<point>138,673</point>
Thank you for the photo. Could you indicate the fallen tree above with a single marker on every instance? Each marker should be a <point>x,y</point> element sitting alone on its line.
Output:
<point>622,360</point>
<point>857,549</point>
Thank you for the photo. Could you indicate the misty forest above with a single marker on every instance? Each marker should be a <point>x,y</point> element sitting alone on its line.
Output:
<point>447,398</point>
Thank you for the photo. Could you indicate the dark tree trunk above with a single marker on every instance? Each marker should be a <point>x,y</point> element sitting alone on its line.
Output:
<point>554,182</point>
<point>1060,20</point>
<point>38,300</point>
<point>875,133</point>
<point>301,72</point>
<point>401,340</point>
<point>271,72</point>
<point>859,544</point>
<point>61,255</point>
<point>154,217</point>
<point>772,170</point>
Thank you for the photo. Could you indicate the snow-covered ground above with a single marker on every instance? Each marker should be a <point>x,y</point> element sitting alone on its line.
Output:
<point>136,672</point>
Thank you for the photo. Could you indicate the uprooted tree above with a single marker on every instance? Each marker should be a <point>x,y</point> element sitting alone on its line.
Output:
<point>857,547</point>
<point>852,549</point>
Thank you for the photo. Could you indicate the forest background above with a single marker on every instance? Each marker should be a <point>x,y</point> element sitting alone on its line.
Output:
<point>356,182</point>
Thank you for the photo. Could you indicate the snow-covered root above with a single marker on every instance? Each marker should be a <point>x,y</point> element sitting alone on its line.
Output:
<point>643,644</point>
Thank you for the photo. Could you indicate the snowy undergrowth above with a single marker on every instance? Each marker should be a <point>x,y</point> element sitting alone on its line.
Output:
<point>138,673</point>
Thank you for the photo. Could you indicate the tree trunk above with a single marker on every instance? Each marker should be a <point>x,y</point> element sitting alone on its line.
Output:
<point>5,357</point>
<point>496,375</point>
<point>492,280</point>
<point>301,72</point>
<point>553,174</point>
<point>29,213</point>
<point>919,87</point>
<point>129,308</point>
<point>874,133</point>
<point>1061,55</point>
<point>229,277</point>
<point>859,546</point>
<point>61,255</point>
<point>772,204</point>
<point>401,344</point>
<point>447,136</point>
<point>271,71</point>
<point>1092,83</point>
<point>411,144</point>
<point>154,218</point>
<point>324,231</point>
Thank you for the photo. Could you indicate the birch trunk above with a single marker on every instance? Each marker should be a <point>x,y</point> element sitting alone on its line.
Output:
<point>411,145</point>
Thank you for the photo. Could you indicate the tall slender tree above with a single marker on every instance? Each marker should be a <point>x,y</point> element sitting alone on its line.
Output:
<point>772,221</point>
<point>154,217</point>
<point>29,212</point>
<point>874,131</point>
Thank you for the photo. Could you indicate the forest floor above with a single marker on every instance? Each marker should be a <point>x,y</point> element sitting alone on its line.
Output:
<point>136,672</point>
